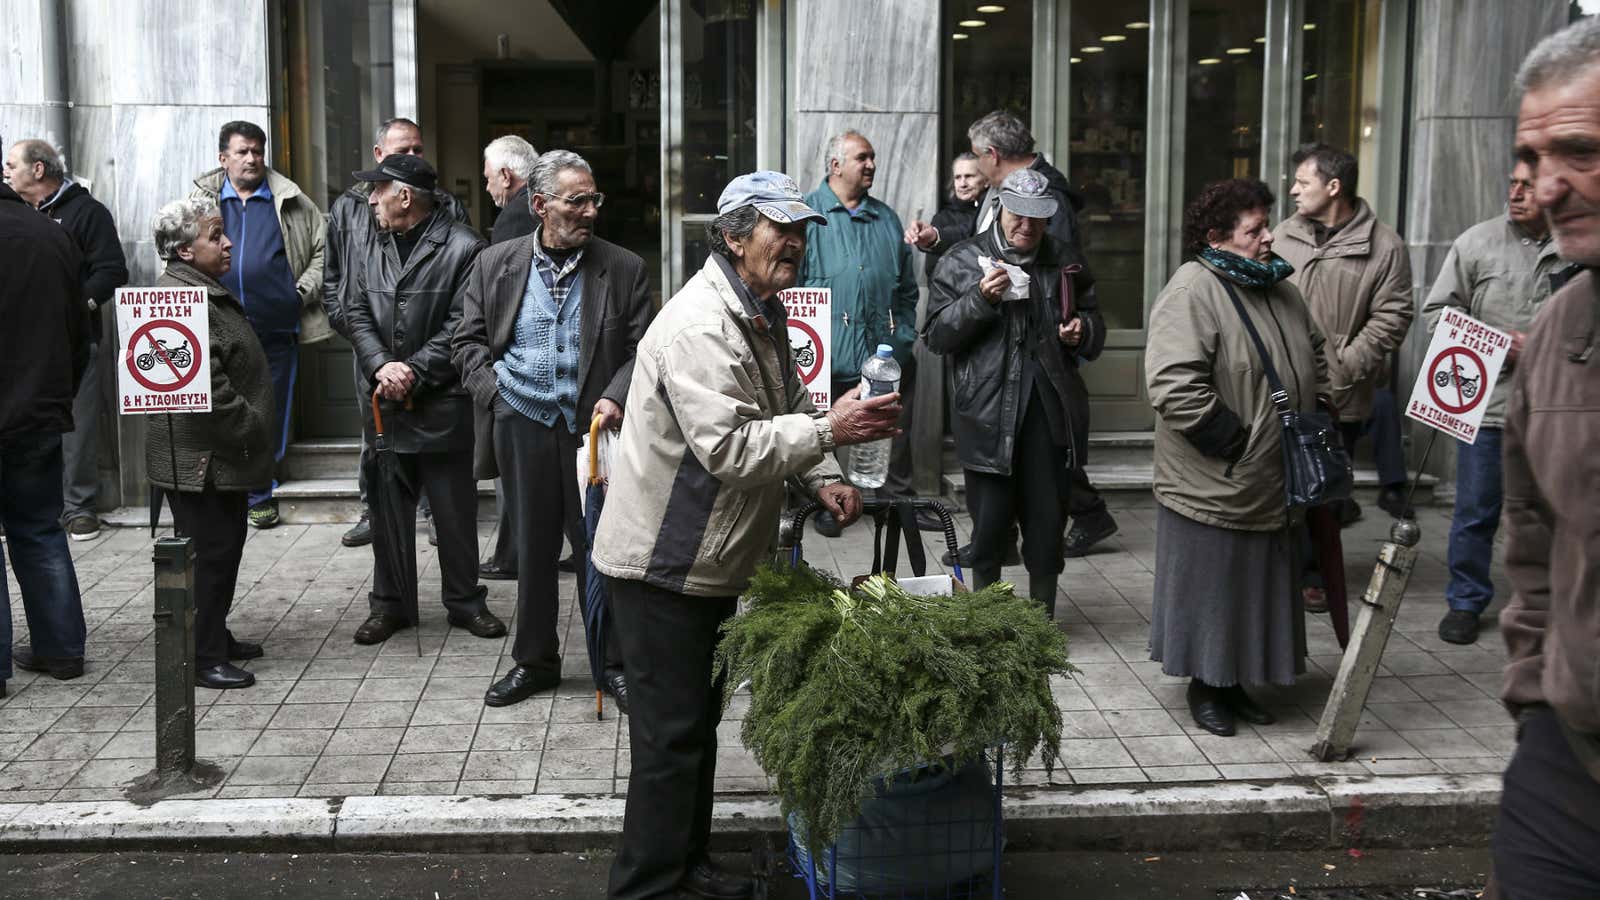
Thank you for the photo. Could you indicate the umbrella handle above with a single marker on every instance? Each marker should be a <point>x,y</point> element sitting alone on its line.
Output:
<point>377,417</point>
<point>594,449</point>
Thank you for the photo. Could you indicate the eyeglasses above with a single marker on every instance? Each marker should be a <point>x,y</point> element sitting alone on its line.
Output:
<point>579,201</point>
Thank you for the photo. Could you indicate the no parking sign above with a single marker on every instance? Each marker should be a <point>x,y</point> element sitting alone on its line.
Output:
<point>165,362</point>
<point>810,339</point>
<point>1458,375</point>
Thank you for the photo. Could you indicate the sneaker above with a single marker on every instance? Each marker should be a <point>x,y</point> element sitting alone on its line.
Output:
<point>1459,626</point>
<point>83,528</point>
<point>1085,534</point>
<point>361,534</point>
<point>264,514</point>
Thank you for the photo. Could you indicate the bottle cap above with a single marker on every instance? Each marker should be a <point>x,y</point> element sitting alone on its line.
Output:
<point>885,351</point>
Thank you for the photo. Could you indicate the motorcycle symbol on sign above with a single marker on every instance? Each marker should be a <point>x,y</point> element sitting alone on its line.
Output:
<point>805,356</point>
<point>179,356</point>
<point>1467,385</point>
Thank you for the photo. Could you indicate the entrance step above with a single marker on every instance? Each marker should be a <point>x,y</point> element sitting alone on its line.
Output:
<point>313,501</point>
<point>334,458</point>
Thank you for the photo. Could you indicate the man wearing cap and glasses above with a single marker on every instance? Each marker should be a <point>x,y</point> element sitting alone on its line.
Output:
<point>718,421</point>
<point>1014,300</point>
<point>549,326</point>
<point>401,313</point>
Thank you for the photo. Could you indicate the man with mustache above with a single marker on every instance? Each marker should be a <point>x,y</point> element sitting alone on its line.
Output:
<point>1547,839</point>
<point>1500,272</point>
<point>860,253</point>
<point>277,235</point>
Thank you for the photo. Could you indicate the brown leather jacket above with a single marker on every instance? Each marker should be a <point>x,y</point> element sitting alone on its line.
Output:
<point>1358,284</point>
<point>1552,468</point>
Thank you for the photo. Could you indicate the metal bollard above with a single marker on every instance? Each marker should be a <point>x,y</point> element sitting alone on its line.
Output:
<point>174,615</point>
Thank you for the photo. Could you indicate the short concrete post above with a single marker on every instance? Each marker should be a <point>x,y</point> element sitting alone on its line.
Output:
<point>174,615</point>
<point>1368,638</point>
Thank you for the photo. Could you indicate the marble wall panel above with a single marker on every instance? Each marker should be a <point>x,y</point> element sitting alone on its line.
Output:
<point>19,54</point>
<point>907,148</point>
<point>93,156</point>
<point>158,152</point>
<point>1462,166</point>
<point>1468,52</point>
<point>20,120</point>
<point>869,57</point>
<point>161,52</point>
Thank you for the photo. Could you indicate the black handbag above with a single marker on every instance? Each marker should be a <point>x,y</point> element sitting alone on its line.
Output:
<point>1316,466</point>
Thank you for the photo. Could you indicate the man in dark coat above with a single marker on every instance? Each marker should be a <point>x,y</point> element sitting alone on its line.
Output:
<point>44,347</point>
<point>507,164</point>
<point>1020,409</point>
<point>35,171</point>
<point>957,219</point>
<point>403,311</point>
<point>1003,145</point>
<point>352,239</point>
<point>549,326</point>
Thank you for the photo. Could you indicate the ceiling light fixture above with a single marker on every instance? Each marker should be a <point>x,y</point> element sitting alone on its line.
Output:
<point>1309,26</point>
<point>1074,59</point>
<point>959,36</point>
<point>1113,38</point>
<point>1092,49</point>
<point>1135,26</point>
<point>1261,40</point>
<point>1237,51</point>
<point>1208,61</point>
<point>1312,77</point>
<point>991,8</point>
<point>972,23</point>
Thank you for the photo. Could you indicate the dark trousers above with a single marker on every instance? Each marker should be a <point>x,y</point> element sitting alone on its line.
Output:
<point>541,489</point>
<point>504,556</point>
<point>30,510</point>
<point>898,481</point>
<point>1384,429</point>
<point>668,640</point>
<point>80,447</point>
<point>283,359</point>
<point>447,479</point>
<point>1547,837</point>
<point>363,407</point>
<point>215,522</point>
<point>1084,501</point>
<point>1035,496</point>
<point>1476,518</point>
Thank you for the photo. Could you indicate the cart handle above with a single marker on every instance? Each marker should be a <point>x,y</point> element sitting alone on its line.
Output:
<point>594,449</point>
<point>800,515</point>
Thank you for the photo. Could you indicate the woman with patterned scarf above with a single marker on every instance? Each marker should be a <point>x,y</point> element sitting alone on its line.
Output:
<point>1227,611</point>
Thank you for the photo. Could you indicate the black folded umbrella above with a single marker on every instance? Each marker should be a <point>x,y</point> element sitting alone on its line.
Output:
<point>393,500</point>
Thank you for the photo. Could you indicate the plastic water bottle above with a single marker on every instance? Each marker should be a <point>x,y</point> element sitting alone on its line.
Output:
<point>869,463</point>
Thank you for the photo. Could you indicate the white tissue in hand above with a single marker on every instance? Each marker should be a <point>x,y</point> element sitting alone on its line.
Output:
<point>1019,279</point>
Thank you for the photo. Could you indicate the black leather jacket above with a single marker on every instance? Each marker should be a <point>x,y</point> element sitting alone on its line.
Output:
<point>350,239</point>
<point>408,313</point>
<point>985,345</point>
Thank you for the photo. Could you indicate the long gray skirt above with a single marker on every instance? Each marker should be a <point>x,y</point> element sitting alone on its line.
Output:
<point>1227,606</point>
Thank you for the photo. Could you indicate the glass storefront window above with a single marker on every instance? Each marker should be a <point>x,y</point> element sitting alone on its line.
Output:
<point>1110,59</point>
<point>344,88</point>
<point>719,111</point>
<point>1338,77</point>
<point>990,67</point>
<point>1226,64</point>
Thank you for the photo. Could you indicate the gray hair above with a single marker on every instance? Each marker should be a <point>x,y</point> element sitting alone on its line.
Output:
<point>178,224</point>
<point>37,151</point>
<point>1561,56</point>
<point>741,223</point>
<point>835,149</point>
<point>546,173</point>
<point>382,131</point>
<point>1001,131</point>
<point>514,153</point>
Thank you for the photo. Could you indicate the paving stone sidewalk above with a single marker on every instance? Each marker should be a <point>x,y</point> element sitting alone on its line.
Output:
<point>330,718</point>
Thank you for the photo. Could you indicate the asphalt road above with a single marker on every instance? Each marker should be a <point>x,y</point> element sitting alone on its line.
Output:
<point>1456,874</point>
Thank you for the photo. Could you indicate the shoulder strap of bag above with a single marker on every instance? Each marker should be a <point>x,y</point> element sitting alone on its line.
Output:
<point>1280,396</point>
<point>901,517</point>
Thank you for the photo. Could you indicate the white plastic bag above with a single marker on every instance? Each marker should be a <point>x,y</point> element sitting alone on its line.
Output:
<point>606,443</point>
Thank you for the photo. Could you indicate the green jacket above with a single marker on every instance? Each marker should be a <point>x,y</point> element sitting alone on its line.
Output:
<point>304,231</point>
<point>865,260</point>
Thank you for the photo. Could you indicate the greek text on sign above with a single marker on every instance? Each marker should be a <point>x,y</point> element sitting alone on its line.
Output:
<point>810,339</point>
<point>165,361</point>
<point>1458,375</point>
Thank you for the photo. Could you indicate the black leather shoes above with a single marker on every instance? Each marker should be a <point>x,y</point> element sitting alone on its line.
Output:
<point>1245,708</point>
<point>1459,626</point>
<point>490,572</point>
<point>616,684</point>
<point>1085,534</point>
<point>705,879</point>
<point>61,668</point>
<point>964,553</point>
<point>483,624</point>
<point>570,564</point>
<point>223,677</point>
<point>377,629</point>
<point>1209,710</point>
<point>519,684</point>
<point>244,650</point>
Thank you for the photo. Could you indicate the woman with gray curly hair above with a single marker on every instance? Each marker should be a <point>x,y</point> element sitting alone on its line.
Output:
<point>208,462</point>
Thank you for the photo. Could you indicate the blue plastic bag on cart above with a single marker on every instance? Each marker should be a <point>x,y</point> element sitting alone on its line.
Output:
<point>921,828</point>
